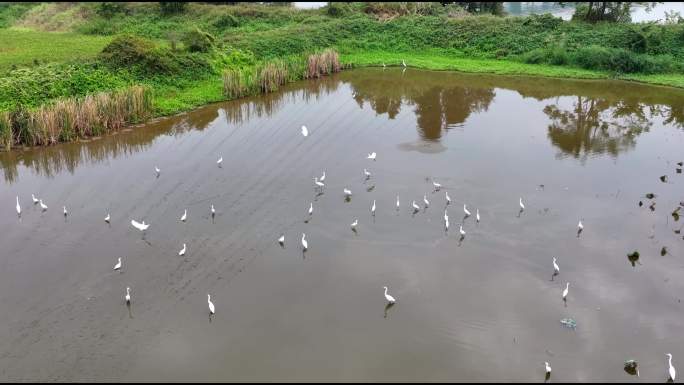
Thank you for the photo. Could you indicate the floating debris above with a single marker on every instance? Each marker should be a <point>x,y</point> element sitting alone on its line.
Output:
<point>663,178</point>
<point>663,251</point>
<point>675,214</point>
<point>680,164</point>
<point>641,203</point>
<point>631,367</point>
<point>679,171</point>
<point>633,258</point>
<point>569,323</point>
<point>652,206</point>
<point>650,195</point>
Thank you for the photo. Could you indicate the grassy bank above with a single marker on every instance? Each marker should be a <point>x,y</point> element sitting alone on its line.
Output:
<point>206,53</point>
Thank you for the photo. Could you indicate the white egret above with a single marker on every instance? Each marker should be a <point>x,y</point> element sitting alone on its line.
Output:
<point>580,226</point>
<point>460,230</point>
<point>388,297</point>
<point>184,216</point>
<point>671,370</point>
<point>522,206</point>
<point>448,200</point>
<point>446,216</point>
<point>128,295</point>
<point>35,200</point>
<point>318,183</point>
<point>366,173</point>
<point>415,206</point>
<point>477,214</point>
<point>548,368</point>
<point>107,218</point>
<point>437,185</point>
<point>182,251</point>
<point>383,65</point>
<point>18,207</point>
<point>281,240</point>
<point>118,265</point>
<point>140,226</point>
<point>403,63</point>
<point>213,212</point>
<point>305,244</point>
<point>42,205</point>
<point>322,177</point>
<point>65,210</point>
<point>556,269</point>
<point>373,207</point>
<point>219,161</point>
<point>211,305</point>
<point>465,210</point>
<point>347,192</point>
<point>157,170</point>
<point>305,132</point>
<point>427,203</point>
<point>446,224</point>
<point>565,291</point>
<point>353,225</point>
<point>397,202</point>
<point>372,155</point>
<point>311,208</point>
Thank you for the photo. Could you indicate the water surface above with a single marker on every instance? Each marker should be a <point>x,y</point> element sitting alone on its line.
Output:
<point>481,308</point>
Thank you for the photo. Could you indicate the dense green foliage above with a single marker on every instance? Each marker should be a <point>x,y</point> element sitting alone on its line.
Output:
<point>57,50</point>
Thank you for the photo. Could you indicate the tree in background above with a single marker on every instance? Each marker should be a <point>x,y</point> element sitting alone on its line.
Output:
<point>615,11</point>
<point>493,7</point>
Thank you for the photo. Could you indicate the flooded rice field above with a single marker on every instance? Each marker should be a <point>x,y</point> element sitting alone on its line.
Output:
<point>485,306</point>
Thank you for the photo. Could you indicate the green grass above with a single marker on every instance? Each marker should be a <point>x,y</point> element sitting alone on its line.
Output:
<point>22,47</point>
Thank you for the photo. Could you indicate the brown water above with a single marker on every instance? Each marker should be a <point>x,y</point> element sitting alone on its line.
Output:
<point>483,308</point>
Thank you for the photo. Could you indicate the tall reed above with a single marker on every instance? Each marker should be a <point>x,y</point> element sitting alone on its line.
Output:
<point>323,63</point>
<point>67,119</point>
<point>6,130</point>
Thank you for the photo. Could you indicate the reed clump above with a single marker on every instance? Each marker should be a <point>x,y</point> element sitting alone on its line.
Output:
<point>267,77</point>
<point>68,119</point>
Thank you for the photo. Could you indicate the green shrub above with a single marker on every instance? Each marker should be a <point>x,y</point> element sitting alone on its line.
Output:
<point>338,9</point>
<point>198,40</point>
<point>226,21</point>
<point>110,8</point>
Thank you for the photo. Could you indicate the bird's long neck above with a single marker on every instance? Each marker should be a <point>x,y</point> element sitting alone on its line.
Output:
<point>385,290</point>
<point>669,360</point>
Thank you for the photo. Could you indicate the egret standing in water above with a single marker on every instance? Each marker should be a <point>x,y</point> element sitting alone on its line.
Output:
<point>322,176</point>
<point>219,161</point>
<point>460,230</point>
<point>184,216</point>
<point>397,202</point>
<point>556,269</point>
<point>182,252</point>
<point>42,205</point>
<point>311,208</point>
<point>373,208</point>
<point>35,200</point>
<point>353,225</point>
<point>305,244</point>
<point>448,200</point>
<point>347,192</point>
<point>437,185</point>
<point>565,291</point>
<point>446,220</point>
<point>427,203</point>
<point>372,156</point>
<point>65,211</point>
<point>213,212</point>
<point>107,218</point>
<point>403,63</point>
<point>128,295</point>
<point>366,173</point>
<point>580,227</point>
<point>18,207</point>
<point>281,240</point>
<point>388,297</point>
<point>477,215</point>
<point>415,206</point>
<point>118,265</point>
<point>319,184</point>
<point>548,369</point>
<point>465,210</point>
<point>671,370</point>
<point>211,305</point>
<point>157,170</point>
<point>522,206</point>
<point>305,131</point>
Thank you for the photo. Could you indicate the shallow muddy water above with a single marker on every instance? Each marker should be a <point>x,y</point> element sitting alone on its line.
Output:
<point>481,308</point>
